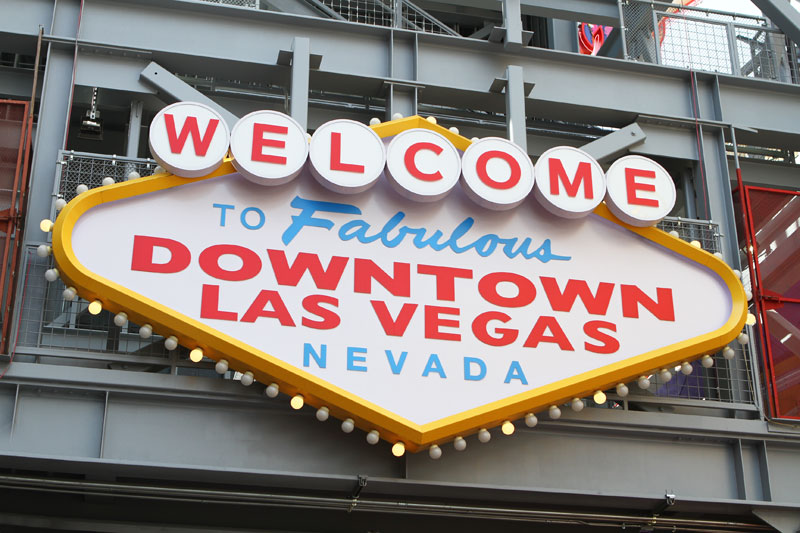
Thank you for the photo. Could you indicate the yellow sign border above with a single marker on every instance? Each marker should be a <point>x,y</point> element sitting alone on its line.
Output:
<point>342,404</point>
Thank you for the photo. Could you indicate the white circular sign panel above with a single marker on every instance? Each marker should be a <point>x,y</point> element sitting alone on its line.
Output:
<point>569,182</point>
<point>268,147</point>
<point>422,165</point>
<point>188,139</point>
<point>346,156</point>
<point>640,191</point>
<point>496,173</point>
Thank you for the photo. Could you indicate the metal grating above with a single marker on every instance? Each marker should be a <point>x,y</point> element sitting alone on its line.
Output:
<point>389,13</point>
<point>76,168</point>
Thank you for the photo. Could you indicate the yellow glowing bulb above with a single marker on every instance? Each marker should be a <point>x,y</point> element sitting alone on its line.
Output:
<point>297,401</point>
<point>507,428</point>
<point>95,307</point>
<point>599,397</point>
<point>751,319</point>
<point>46,225</point>
<point>196,355</point>
<point>398,449</point>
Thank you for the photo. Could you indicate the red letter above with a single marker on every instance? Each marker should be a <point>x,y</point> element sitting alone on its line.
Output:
<point>190,127</point>
<point>592,330</point>
<point>538,334</point>
<point>329,318</point>
<point>411,165</point>
<point>507,336</point>
<point>487,286</point>
<point>259,142</point>
<point>142,257</point>
<point>583,174</point>
<point>209,305</point>
<point>596,304</point>
<point>279,311</point>
<point>394,327</point>
<point>433,321</point>
<point>209,262</point>
<point>398,285</point>
<point>632,187</point>
<point>336,156</point>
<point>324,278</point>
<point>513,179</point>
<point>662,308</point>
<point>445,279</point>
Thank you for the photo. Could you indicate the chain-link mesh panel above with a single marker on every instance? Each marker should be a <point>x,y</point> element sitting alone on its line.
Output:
<point>240,3</point>
<point>89,169</point>
<point>639,31</point>
<point>415,18</point>
<point>374,12</point>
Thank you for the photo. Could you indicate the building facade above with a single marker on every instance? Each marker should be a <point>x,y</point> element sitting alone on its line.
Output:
<point>104,430</point>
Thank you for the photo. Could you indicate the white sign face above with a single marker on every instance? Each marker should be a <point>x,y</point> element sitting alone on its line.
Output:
<point>346,156</point>
<point>422,164</point>
<point>188,139</point>
<point>497,173</point>
<point>268,147</point>
<point>640,191</point>
<point>569,182</point>
<point>425,313</point>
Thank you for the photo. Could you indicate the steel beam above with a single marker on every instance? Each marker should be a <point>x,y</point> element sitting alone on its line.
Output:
<point>301,65</point>
<point>596,11</point>
<point>515,107</point>
<point>134,129</point>
<point>783,14</point>
<point>615,144</point>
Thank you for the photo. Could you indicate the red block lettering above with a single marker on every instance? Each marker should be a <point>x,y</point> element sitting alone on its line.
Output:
<point>445,279</point>
<point>365,271</point>
<point>483,160</point>
<point>259,142</point>
<point>609,343</point>
<point>142,256</point>
<point>662,308</point>
<point>329,318</point>
<point>396,327</point>
<point>487,286</point>
<point>507,336</point>
<point>596,304</point>
<point>336,156</point>
<point>557,336</point>
<point>632,186</point>
<point>434,321</point>
<point>209,262</point>
<point>209,305</point>
<point>582,176</point>
<point>324,278</point>
<point>190,127</point>
<point>258,308</point>
<point>411,165</point>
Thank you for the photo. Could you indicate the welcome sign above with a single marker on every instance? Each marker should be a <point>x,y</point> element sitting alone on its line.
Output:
<point>416,284</point>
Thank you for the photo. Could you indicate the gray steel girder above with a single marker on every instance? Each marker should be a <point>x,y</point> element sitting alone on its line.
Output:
<point>783,14</point>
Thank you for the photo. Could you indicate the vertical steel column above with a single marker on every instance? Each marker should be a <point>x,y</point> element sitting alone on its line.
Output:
<point>656,43</point>
<point>301,65</point>
<point>515,107</point>
<point>134,129</point>
<point>623,30</point>
<point>736,69</point>
<point>512,20</point>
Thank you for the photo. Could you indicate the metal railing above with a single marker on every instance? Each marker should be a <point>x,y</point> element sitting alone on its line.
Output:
<point>708,40</point>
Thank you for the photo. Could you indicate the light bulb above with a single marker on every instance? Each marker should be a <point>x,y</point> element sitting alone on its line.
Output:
<point>665,375</point>
<point>146,331</point>
<point>743,339</point>
<point>748,294</point>
<point>158,170</point>
<point>554,412</point>
<point>43,250</point>
<point>60,204</point>
<point>434,452</point>
<point>474,139</point>
<point>348,425</point>
<point>484,436</point>
<point>643,382</point>
<point>432,120</point>
<point>707,361</point>
<point>577,405</point>
<point>297,402</point>
<point>373,437</point>
<point>508,427</point>
<point>686,368</point>
<point>69,294</point>
<point>120,319</point>
<point>82,188</point>
<point>454,130</point>
<point>247,379</point>
<point>171,342</point>
<point>374,121</point>
<point>531,420</point>
<point>221,367</point>
<point>399,449</point>
<point>133,175</point>
<point>95,307</point>
<point>397,116</point>
<point>675,234</point>
<point>51,274</point>
<point>272,390</point>
<point>108,180</point>
<point>728,353</point>
<point>599,397</point>
<point>196,355</point>
<point>737,273</point>
<point>718,255</point>
<point>322,414</point>
<point>696,244</point>
<point>751,319</point>
<point>46,225</point>
<point>622,390</point>
<point>460,444</point>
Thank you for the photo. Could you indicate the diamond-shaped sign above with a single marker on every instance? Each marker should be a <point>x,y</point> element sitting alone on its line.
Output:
<point>424,321</point>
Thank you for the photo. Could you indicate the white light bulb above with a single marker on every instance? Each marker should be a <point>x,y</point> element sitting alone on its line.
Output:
<point>51,274</point>
<point>453,129</point>
<point>718,255</point>
<point>432,120</point>
<point>43,250</point>
<point>108,180</point>
<point>272,390</point>
<point>60,204</point>
<point>743,339</point>
<point>120,319</point>
<point>460,444</point>
<point>599,397</point>
<point>247,379</point>
<point>398,449</point>
<point>348,425</point>
<point>748,294</point>
<point>196,355</point>
<point>70,293</point>
<point>484,436</point>
<point>707,361</point>
<point>696,244</point>
<point>554,412</point>
<point>531,420</point>
<point>686,368</point>
<point>171,342</point>
<point>622,390</point>
<point>675,234</point>
<point>665,375</point>
<point>221,367</point>
<point>577,405</point>
<point>728,353</point>
<point>133,175</point>
<point>434,452</point>
<point>474,139</point>
<point>322,414</point>
<point>508,428</point>
<point>397,116</point>
<point>737,273</point>
<point>145,331</point>
<point>373,437</point>
<point>82,188</point>
<point>297,402</point>
<point>46,225</point>
<point>158,170</point>
<point>374,121</point>
<point>751,319</point>
<point>95,307</point>
<point>643,382</point>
